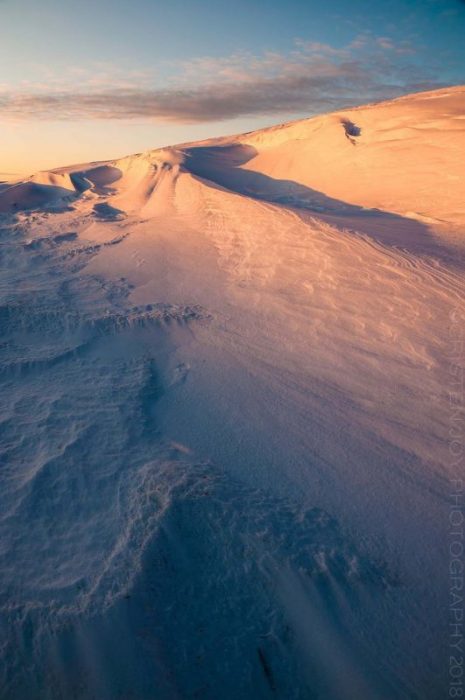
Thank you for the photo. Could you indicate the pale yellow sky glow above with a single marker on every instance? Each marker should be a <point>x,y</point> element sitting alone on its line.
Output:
<point>28,146</point>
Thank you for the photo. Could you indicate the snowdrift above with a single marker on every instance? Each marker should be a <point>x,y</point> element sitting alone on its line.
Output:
<point>403,156</point>
<point>225,381</point>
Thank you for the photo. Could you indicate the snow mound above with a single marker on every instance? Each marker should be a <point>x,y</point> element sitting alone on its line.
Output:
<point>384,156</point>
<point>147,181</point>
<point>399,156</point>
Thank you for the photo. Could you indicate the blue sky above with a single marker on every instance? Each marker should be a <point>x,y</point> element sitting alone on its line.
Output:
<point>89,80</point>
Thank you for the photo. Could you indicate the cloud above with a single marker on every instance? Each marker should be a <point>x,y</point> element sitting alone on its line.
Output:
<point>312,78</point>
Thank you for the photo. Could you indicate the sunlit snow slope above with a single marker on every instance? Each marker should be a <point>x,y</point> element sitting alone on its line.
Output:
<point>225,376</point>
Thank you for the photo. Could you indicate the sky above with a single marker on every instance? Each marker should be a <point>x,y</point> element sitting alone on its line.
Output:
<point>84,80</point>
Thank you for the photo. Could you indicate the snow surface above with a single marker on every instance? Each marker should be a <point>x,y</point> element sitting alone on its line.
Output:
<point>224,414</point>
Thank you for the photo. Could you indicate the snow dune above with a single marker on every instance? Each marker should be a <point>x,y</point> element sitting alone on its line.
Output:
<point>402,156</point>
<point>224,419</point>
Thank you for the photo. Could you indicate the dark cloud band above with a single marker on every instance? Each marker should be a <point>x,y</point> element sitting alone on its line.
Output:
<point>308,86</point>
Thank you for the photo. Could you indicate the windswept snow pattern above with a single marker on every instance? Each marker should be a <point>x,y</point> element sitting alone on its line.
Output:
<point>80,496</point>
<point>97,508</point>
<point>96,505</point>
<point>224,468</point>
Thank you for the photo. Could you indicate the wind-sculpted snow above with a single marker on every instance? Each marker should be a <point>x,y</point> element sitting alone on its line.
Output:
<point>97,508</point>
<point>224,416</point>
<point>79,464</point>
